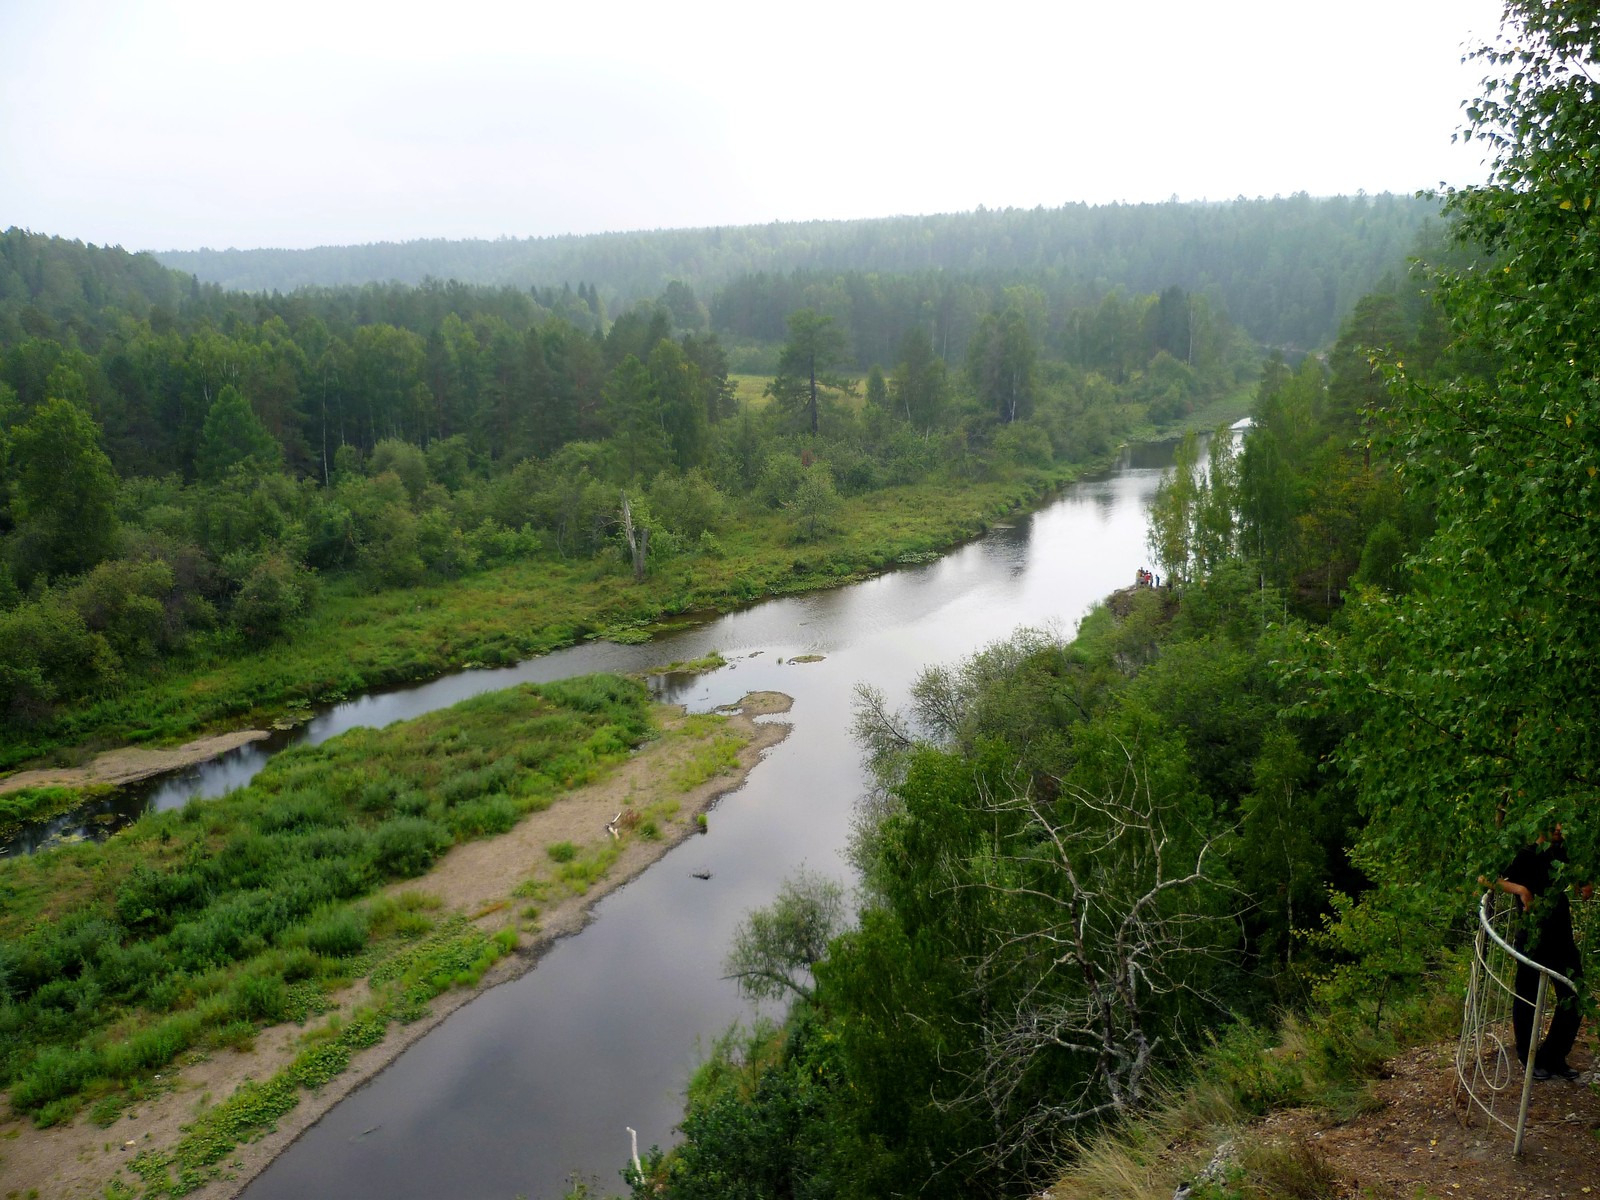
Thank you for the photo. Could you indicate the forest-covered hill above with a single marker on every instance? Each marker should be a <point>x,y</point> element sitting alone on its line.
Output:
<point>1287,269</point>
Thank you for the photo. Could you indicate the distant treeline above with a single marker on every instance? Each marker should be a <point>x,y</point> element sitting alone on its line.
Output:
<point>519,373</point>
<point>1286,269</point>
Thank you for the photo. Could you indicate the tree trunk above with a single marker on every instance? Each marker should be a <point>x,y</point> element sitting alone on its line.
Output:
<point>813,395</point>
<point>638,539</point>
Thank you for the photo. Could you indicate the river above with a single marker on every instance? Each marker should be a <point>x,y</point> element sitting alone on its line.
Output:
<point>535,1081</point>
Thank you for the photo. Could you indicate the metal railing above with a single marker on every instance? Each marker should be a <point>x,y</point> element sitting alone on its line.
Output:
<point>1487,1069</point>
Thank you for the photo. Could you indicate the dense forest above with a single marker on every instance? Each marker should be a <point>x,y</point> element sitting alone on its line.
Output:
<point>1090,867</point>
<point>187,466</point>
<point>1096,871</point>
<point>1285,269</point>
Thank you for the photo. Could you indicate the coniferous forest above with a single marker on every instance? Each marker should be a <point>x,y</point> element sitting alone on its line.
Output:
<point>230,454</point>
<point>1214,855</point>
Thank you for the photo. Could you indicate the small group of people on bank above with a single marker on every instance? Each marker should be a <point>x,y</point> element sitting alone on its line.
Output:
<point>1537,878</point>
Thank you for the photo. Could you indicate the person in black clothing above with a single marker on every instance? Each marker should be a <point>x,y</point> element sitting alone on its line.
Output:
<point>1545,935</point>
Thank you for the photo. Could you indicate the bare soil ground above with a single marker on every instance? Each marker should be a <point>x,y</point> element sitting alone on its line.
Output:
<point>1420,1143</point>
<point>129,764</point>
<point>75,1162</point>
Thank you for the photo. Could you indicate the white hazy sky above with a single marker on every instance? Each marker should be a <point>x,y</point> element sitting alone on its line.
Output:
<point>177,125</point>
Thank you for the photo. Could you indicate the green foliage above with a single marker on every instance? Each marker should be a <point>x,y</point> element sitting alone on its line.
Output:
<point>63,491</point>
<point>407,846</point>
<point>1379,947</point>
<point>689,505</point>
<point>340,934</point>
<point>273,596</point>
<point>813,504</point>
<point>781,475</point>
<point>1142,784</point>
<point>196,927</point>
<point>807,368</point>
<point>753,1124</point>
<point>578,875</point>
<point>1313,257</point>
<point>776,947</point>
<point>405,462</point>
<point>1478,715</point>
<point>1001,364</point>
<point>713,756</point>
<point>35,803</point>
<point>311,430</point>
<point>48,654</point>
<point>1174,513</point>
<point>234,437</point>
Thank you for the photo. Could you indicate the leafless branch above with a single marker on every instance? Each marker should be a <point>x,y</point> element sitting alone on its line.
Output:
<point>1096,878</point>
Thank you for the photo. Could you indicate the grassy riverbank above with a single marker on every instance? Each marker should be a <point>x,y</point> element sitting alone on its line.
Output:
<point>194,933</point>
<point>194,927</point>
<point>357,641</point>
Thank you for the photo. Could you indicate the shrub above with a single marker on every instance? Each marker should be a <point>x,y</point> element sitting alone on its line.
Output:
<point>48,655</point>
<point>274,595</point>
<point>688,505</point>
<point>152,1047</point>
<point>297,812</point>
<point>126,973</point>
<point>58,1071</point>
<point>445,550</point>
<point>411,803</point>
<point>495,777</point>
<point>338,934</point>
<point>261,998</point>
<point>125,602</point>
<point>1023,443</point>
<point>333,844</point>
<point>780,478</point>
<point>854,472</point>
<point>478,818</point>
<point>377,796</point>
<point>318,1065</point>
<point>493,543</point>
<point>407,846</point>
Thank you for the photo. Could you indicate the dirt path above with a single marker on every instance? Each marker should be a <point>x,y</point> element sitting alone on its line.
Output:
<point>1419,1142</point>
<point>129,764</point>
<point>76,1161</point>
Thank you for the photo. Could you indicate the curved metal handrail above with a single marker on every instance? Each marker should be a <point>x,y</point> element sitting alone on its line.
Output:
<point>1481,1050</point>
<point>1485,919</point>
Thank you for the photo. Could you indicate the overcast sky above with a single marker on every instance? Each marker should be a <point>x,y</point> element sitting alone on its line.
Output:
<point>178,125</point>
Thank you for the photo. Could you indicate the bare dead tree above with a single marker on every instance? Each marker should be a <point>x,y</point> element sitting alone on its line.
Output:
<point>1101,908</point>
<point>638,538</point>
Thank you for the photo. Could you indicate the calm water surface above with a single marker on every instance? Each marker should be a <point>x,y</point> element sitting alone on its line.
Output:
<point>537,1080</point>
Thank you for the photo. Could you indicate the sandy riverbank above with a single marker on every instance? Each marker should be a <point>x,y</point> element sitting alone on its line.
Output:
<point>129,764</point>
<point>75,1162</point>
